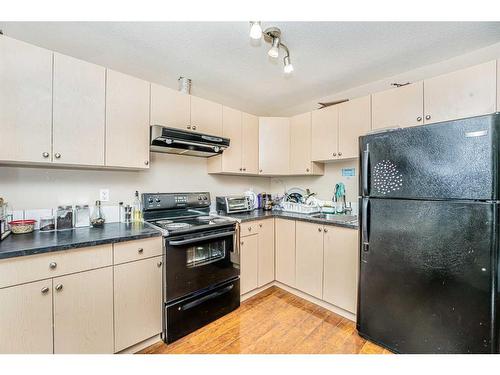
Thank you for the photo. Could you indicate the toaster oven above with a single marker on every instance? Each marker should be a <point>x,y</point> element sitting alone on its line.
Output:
<point>233,204</point>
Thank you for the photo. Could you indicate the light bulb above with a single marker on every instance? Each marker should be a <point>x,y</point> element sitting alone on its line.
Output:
<point>288,68</point>
<point>274,51</point>
<point>255,30</point>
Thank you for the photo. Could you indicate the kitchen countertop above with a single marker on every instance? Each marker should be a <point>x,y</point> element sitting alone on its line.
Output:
<point>38,242</point>
<point>261,214</point>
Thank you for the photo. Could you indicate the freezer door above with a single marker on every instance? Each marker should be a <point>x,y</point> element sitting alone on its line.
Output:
<point>426,269</point>
<point>449,160</point>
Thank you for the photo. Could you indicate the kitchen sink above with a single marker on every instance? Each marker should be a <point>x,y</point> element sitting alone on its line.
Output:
<point>351,219</point>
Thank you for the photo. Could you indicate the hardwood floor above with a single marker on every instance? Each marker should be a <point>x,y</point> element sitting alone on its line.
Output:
<point>274,321</point>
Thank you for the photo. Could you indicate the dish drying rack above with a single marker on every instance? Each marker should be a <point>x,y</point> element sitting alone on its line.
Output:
<point>299,208</point>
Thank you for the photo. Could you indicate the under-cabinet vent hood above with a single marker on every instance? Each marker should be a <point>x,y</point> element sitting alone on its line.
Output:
<point>182,142</point>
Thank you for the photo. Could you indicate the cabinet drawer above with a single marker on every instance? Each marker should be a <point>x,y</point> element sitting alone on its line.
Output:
<point>135,250</point>
<point>37,267</point>
<point>249,228</point>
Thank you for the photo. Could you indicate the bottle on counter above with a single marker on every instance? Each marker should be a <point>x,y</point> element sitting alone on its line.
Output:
<point>136,209</point>
<point>97,219</point>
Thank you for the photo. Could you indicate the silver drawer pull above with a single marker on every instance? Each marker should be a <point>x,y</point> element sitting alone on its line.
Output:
<point>159,264</point>
<point>52,265</point>
<point>59,287</point>
<point>140,250</point>
<point>45,290</point>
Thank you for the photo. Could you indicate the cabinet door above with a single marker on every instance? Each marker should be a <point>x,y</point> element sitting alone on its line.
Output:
<point>206,116</point>
<point>354,121</point>
<point>137,301</point>
<point>274,145</point>
<point>464,93</point>
<point>249,263</point>
<point>26,318</point>
<point>341,267</point>
<point>25,102</point>
<point>300,144</point>
<point>309,258</point>
<point>79,106</point>
<point>398,107</point>
<point>127,121</point>
<point>266,252</point>
<point>83,312</point>
<point>324,133</point>
<point>285,251</point>
<point>231,128</point>
<point>170,108</point>
<point>250,143</point>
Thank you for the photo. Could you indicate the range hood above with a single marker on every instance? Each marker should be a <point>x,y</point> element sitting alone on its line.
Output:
<point>182,142</point>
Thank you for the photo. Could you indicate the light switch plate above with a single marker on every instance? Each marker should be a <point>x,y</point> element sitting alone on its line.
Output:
<point>104,195</point>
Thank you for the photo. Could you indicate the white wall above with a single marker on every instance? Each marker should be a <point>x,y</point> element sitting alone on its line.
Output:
<point>26,188</point>
<point>323,186</point>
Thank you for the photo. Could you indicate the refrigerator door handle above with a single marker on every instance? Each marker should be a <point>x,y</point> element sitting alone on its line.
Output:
<point>364,171</point>
<point>364,224</point>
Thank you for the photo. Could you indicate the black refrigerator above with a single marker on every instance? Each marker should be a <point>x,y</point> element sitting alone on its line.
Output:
<point>428,276</point>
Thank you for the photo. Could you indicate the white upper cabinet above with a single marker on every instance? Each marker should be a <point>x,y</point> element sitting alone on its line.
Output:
<point>25,102</point>
<point>300,146</point>
<point>79,112</point>
<point>231,157</point>
<point>274,145</point>
<point>354,121</point>
<point>325,132</point>
<point>206,116</point>
<point>465,93</point>
<point>170,108</point>
<point>398,107</point>
<point>250,143</point>
<point>127,121</point>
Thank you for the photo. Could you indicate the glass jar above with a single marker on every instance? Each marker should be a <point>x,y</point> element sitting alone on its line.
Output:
<point>47,224</point>
<point>97,219</point>
<point>82,216</point>
<point>64,217</point>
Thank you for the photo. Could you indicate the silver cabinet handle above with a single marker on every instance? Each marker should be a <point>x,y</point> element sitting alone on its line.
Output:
<point>334,154</point>
<point>159,264</point>
<point>189,126</point>
<point>319,229</point>
<point>59,287</point>
<point>428,117</point>
<point>242,243</point>
<point>45,290</point>
<point>241,169</point>
<point>52,265</point>
<point>45,155</point>
<point>419,118</point>
<point>260,225</point>
<point>260,170</point>
<point>249,229</point>
<point>146,162</point>
<point>57,155</point>
<point>194,127</point>
<point>325,230</point>
<point>140,250</point>
<point>340,154</point>
<point>307,169</point>
<point>244,169</point>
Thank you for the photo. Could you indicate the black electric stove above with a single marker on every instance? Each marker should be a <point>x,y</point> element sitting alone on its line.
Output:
<point>201,280</point>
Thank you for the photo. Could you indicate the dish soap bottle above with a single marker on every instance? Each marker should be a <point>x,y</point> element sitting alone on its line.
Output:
<point>136,209</point>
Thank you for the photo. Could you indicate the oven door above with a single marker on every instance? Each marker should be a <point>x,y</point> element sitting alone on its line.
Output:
<point>196,261</point>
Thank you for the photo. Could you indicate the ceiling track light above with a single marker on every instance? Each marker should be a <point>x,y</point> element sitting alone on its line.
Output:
<point>272,35</point>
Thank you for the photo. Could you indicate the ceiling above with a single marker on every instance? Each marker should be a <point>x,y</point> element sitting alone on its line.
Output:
<point>227,67</point>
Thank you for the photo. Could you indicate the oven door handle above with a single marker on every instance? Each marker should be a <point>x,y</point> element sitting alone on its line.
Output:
<point>199,239</point>
<point>190,305</point>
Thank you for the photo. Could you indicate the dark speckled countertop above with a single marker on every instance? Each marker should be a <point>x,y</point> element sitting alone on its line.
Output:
<point>261,214</point>
<point>38,242</point>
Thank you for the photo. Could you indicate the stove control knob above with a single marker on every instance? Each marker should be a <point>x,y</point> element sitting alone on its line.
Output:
<point>205,197</point>
<point>157,200</point>
<point>200,197</point>
<point>150,200</point>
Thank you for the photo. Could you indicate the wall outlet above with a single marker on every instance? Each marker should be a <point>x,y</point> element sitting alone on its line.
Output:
<point>104,195</point>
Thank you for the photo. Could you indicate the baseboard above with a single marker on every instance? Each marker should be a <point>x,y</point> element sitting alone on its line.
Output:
<point>337,310</point>
<point>141,345</point>
<point>256,291</point>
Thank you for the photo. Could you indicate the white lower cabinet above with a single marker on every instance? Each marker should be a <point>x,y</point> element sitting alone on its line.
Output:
<point>83,312</point>
<point>341,264</point>
<point>309,258</point>
<point>266,252</point>
<point>137,301</point>
<point>26,318</point>
<point>249,263</point>
<point>285,251</point>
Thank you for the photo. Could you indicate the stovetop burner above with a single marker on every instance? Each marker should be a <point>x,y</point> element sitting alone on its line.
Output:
<point>176,226</point>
